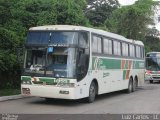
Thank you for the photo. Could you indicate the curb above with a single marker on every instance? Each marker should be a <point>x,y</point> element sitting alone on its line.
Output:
<point>12,97</point>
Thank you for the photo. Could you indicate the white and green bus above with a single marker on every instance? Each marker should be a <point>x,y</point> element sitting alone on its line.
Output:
<point>74,62</point>
<point>152,67</point>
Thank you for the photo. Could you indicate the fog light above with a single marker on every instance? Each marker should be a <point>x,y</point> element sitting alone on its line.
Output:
<point>26,91</point>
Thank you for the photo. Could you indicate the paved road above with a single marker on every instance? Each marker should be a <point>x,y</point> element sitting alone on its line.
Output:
<point>145,100</point>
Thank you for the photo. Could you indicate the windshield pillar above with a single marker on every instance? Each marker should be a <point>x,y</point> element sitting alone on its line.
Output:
<point>71,62</point>
<point>83,55</point>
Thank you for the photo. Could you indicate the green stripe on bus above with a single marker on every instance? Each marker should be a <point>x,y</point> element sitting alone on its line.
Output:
<point>105,63</point>
<point>24,78</point>
<point>124,74</point>
<point>51,81</point>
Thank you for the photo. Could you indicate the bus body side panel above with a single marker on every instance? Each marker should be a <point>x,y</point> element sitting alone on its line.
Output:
<point>113,74</point>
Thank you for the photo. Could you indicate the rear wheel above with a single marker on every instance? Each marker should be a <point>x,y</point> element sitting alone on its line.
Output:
<point>151,81</point>
<point>134,82</point>
<point>92,92</point>
<point>130,86</point>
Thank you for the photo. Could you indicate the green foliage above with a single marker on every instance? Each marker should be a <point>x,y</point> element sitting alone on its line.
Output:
<point>69,12</point>
<point>9,42</point>
<point>131,21</point>
<point>5,11</point>
<point>42,12</point>
<point>7,60</point>
<point>7,92</point>
<point>101,10</point>
<point>17,16</point>
<point>152,43</point>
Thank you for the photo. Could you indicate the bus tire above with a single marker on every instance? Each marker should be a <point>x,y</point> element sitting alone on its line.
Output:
<point>151,81</point>
<point>134,85</point>
<point>92,92</point>
<point>130,86</point>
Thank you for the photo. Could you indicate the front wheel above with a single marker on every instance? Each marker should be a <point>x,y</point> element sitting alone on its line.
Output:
<point>92,92</point>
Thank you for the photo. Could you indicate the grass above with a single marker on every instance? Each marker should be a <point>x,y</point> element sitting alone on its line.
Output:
<point>8,92</point>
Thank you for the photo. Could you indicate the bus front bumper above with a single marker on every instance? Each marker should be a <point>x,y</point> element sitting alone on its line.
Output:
<point>152,77</point>
<point>49,91</point>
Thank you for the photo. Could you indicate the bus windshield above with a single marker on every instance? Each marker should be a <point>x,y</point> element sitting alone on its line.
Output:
<point>56,53</point>
<point>60,62</point>
<point>153,63</point>
<point>43,38</point>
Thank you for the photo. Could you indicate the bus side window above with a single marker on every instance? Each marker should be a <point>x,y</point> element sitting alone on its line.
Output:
<point>125,49</point>
<point>117,48</point>
<point>142,52</point>
<point>96,44</point>
<point>107,46</point>
<point>132,50</point>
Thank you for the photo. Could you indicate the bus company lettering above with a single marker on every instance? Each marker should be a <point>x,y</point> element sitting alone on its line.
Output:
<point>106,74</point>
<point>98,64</point>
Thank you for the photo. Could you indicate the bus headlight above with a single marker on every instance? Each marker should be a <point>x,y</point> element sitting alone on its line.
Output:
<point>26,82</point>
<point>148,72</point>
<point>66,84</point>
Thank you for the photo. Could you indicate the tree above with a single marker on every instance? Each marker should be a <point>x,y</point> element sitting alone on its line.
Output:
<point>70,12</point>
<point>17,16</point>
<point>152,32</point>
<point>152,43</point>
<point>132,21</point>
<point>5,13</point>
<point>9,42</point>
<point>99,11</point>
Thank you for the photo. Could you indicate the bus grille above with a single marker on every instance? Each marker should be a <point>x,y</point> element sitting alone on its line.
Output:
<point>156,78</point>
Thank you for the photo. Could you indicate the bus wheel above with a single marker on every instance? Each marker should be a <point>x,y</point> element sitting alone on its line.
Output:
<point>151,81</point>
<point>130,86</point>
<point>134,85</point>
<point>92,92</point>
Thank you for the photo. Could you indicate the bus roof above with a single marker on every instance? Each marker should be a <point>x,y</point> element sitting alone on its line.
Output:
<point>72,27</point>
<point>153,53</point>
